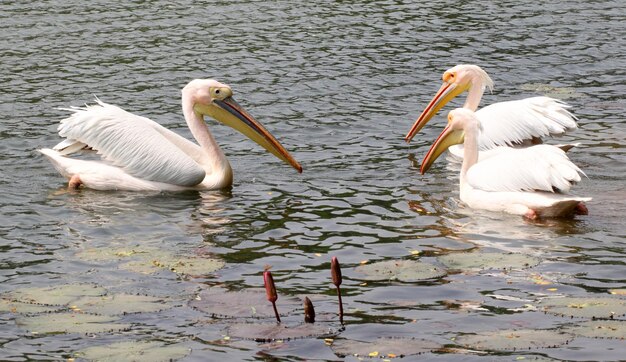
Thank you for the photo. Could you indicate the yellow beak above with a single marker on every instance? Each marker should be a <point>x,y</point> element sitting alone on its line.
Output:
<point>233,115</point>
<point>446,139</point>
<point>445,94</point>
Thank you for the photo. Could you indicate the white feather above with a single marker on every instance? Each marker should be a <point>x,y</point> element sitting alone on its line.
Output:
<point>540,167</point>
<point>119,136</point>
<point>545,204</point>
<point>513,122</point>
<point>69,146</point>
<point>99,175</point>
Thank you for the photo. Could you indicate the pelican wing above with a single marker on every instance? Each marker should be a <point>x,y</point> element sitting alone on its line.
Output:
<point>139,146</point>
<point>508,123</point>
<point>541,167</point>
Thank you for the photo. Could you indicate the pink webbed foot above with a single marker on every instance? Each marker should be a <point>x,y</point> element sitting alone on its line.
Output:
<point>531,215</point>
<point>74,183</point>
<point>581,209</point>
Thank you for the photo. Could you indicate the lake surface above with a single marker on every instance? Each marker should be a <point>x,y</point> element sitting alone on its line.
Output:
<point>339,84</point>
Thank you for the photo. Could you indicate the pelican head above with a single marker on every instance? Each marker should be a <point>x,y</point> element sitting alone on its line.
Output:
<point>212,98</point>
<point>456,80</point>
<point>459,120</point>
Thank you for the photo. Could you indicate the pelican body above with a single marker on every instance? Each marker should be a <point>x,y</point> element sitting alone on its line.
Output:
<point>137,153</point>
<point>511,123</point>
<point>532,181</point>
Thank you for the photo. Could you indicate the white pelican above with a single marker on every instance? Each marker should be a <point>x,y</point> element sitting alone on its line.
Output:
<point>520,122</point>
<point>139,154</point>
<point>529,181</point>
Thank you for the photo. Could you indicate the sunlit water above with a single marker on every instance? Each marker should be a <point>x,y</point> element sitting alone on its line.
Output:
<point>339,83</point>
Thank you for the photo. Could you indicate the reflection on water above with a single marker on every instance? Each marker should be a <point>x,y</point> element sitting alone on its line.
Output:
<point>339,84</point>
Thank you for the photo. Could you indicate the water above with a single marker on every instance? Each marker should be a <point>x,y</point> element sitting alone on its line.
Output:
<point>339,84</point>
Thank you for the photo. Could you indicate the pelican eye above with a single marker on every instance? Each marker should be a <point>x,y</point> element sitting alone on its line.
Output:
<point>219,93</point>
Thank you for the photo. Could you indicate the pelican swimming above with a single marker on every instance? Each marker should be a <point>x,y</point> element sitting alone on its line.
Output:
<point>139,154</point>
<point>530,181</point>
<point>510,123</point>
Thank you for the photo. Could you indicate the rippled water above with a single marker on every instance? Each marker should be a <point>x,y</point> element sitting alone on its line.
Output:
<point>339,83</point>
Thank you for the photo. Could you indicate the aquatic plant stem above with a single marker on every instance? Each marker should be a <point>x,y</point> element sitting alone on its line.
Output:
<point>270,290</point>
<point>276,312</point>
<point>335,273</point>
<point>340,305</point>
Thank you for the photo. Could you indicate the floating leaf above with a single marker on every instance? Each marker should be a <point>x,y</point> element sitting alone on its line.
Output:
<point>268,332</point>
<point>179,265</point>
<point>25,308</point>
<point>601,308</point>
<point>119,304</point>
<point>196,265</point>
<point>540,280</point>
<point>482,261</point>
<point>147,260</point>
<point>514,340</point>
<point>384,347</point>
<point>112,253</point>
<point>551,91</point>
<point>144,266</point>
<point>599,329</point>
<point>70,322</point>
<point>249,303</point>
<point>135,351</point>
<point>402,270</point>
<point>56,295</point>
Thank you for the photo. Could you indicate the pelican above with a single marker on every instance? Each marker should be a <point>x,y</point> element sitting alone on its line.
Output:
<point>520,122</point>
<point>532,181</point>
<point>138,154</point>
